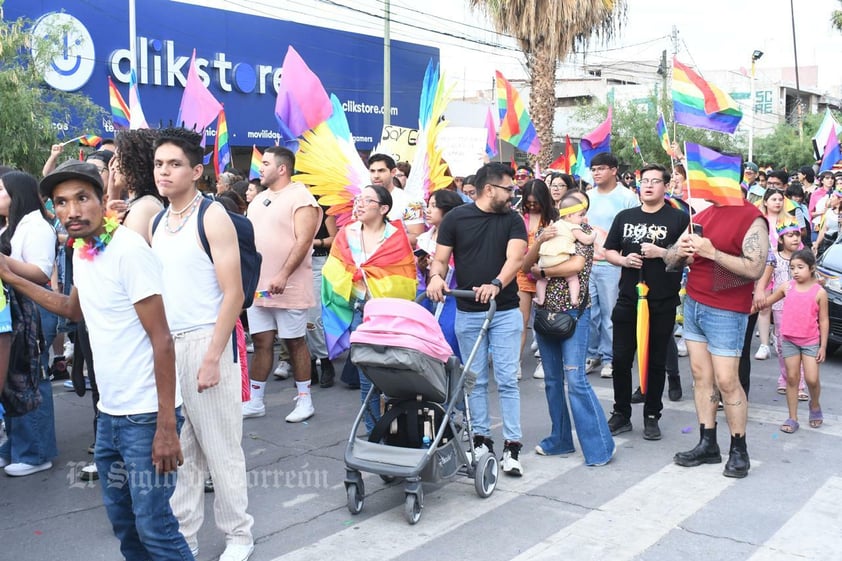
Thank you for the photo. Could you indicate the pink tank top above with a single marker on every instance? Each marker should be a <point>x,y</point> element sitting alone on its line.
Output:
<point>801,316</point>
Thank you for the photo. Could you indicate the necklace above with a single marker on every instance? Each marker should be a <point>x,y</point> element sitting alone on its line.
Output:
<point>89,248</point>
<point>190,204</point>
<point>194,204</point>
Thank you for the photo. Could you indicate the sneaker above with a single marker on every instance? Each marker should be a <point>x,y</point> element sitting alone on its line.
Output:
<point>651,430</point>
<point>637,396</point>
<point>592,364</point>
<point>253,408</point>
<point>540,451</point>
<point>539,371</point>
<point>209,485</point>
<point>762,352</point>
<point>283,370</point>
<point>68,350</point>
<point>510,463</point>
<point>303,409</point>
<point>537,354</point>
<point>194,550</point>
<point>89,473</point>
<point>533,346</point>
<point>681,346</point>
<point>21,469</point>
<point>618,423</point>
<point>58,370</point>
<point>607,370</point>
<point>237,552</point>
<point>483,445</point>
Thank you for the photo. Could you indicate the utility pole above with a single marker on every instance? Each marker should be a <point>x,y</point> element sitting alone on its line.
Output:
<point>797,83</point>
<point>133,37</point>
<point>755,56</point>
<point>387,64</point>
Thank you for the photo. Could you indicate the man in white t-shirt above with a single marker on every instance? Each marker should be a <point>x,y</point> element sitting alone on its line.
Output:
<point>382,170</point>
<point>118,288</point>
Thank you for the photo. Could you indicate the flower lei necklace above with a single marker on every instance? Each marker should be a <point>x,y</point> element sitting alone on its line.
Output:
<point>89,248</point>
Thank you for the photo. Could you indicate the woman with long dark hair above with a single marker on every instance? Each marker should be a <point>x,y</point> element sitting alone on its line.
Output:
<point>29,241</point>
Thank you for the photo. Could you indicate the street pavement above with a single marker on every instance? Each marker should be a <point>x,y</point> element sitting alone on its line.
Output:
<point>640,506</point>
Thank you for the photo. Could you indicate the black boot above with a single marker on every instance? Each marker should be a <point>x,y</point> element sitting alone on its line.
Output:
<point>314,373</point>
<point>738,463</point>
<point>328,374</point>
<point>674,387</point>
<point>705,452</point>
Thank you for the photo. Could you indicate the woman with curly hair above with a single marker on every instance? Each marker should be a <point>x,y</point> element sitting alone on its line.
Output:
<point>132,175</point>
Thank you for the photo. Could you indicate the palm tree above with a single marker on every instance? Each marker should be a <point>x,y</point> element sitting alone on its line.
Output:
<point>548,30</point>
<point>836,19</point>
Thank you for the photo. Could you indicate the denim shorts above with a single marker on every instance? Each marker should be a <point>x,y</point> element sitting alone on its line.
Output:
<point>722,330</point>
<point>788,349</point>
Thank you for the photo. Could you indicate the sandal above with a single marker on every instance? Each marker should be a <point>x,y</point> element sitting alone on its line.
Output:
<point>816,418</point>
<point>802,396</point>
<point>790,426</point>
<point>782,391</point>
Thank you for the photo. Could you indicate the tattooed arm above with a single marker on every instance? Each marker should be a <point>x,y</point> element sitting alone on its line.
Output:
<point>755,248</point>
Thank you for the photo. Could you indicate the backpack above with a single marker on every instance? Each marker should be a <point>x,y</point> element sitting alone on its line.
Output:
<point>21,393</point>
<point>250,259</point>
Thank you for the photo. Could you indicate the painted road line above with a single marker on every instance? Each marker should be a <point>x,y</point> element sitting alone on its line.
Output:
<point>632,522</point>
<point>812,532</point>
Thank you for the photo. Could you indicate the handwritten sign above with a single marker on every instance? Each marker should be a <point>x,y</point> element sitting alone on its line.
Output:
<point>398,142</point>
<point>463,148</point>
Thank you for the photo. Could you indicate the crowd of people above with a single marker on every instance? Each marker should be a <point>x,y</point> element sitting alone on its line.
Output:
<point>147,269</point>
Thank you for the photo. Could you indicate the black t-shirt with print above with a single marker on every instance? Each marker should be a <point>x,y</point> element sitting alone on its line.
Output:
<point>479,240</point>
<point>631,228</point>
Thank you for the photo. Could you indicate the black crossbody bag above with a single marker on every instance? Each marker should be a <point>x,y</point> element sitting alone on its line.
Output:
<point>557,325</point>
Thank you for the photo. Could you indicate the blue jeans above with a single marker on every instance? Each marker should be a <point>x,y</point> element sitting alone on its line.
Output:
<point>136,497</point>
<point>567,359</point>
<point>372,414</point>
<point>32,437</point>
<point>604,288</point>
<point>504,342</point>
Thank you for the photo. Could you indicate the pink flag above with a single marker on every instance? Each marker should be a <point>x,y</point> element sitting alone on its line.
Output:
<point>302,102</point>
<point>491,139</point>
<point>136,120</point>
<point>198,106</point>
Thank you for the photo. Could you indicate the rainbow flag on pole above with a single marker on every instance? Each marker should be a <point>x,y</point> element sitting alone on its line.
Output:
<point>91,140</point>
<point>713,176</point>
<point>516,127</point>
<point>635,145</point>
<point>699,104</point>
<point>663,135</point>
<point>256,161</point>
<point>119,110</point>
<point>221,147</point>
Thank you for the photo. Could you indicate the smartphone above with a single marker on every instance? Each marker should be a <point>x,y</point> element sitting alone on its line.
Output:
<point>420,253</point>
<point>697,229</point>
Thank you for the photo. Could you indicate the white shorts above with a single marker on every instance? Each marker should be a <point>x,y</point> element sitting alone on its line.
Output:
<point>290,324</point>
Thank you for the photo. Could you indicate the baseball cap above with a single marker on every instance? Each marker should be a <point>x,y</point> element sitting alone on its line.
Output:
<point>751,166</point>
<point>72,169</point>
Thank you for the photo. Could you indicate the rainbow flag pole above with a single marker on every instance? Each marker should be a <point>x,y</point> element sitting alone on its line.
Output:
<point>66,142</point>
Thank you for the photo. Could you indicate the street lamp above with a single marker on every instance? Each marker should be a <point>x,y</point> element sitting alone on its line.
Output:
<point>755,56</point>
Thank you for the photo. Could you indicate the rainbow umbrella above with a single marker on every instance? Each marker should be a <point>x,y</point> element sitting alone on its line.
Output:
<point>642,332</point>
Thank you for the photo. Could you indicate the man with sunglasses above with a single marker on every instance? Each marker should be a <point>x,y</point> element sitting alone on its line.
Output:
<point>488,243</point>
<point>522,175</point>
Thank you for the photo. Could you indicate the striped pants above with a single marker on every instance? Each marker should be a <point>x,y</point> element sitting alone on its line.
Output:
<point>211,439</point>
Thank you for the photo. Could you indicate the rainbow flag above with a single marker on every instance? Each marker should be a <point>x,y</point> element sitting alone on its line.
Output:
<point>516,127</point>
<point>677,203</point>
<point>569,155</point>
<point>302,101</point>
<point>390,272</point>
<point>663,135</point>
<point>220,145</point>
<point>91,140</point>
<point>713,176</point>
<point>138,119</point>
<point>256,162</point>
<point>491,135</point>
<point>635,145</point>
<point>699,104</point>
<point>832,153</point>
<point>119,110</point>
<point>598,140</point>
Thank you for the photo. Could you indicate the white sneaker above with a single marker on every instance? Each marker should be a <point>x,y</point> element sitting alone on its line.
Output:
<point>90,473</point>
<point>592,364</point>
<point>194,550</point>
<point>539,371</point>
<point>283,370</point>
<point>762,352</point>
<point>681,346</point>
<point>511,464</point>
<point>303,409</point>
<point>68,350</point>
<point>21,469</point>
<point>607,370</point>
<point>237,552</point>
<point>253,408</point>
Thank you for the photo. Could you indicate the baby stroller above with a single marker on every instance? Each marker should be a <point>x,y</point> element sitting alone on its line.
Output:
<point>401,349</point>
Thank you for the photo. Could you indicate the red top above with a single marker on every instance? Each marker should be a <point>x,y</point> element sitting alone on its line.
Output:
<point>712,284</point>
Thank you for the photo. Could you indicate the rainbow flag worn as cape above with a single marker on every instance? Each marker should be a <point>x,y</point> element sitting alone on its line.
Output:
<point>713,176</point>
<point>699,104</point>
<point>390,272</point>
<point>119,110</point>
<point>256,162</point>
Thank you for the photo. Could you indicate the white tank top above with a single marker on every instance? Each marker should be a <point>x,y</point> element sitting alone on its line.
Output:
<point>192,296</point>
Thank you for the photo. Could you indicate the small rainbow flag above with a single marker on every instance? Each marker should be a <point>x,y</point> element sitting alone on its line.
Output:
<point>663,135</point>
<point>119,110</point>
<point>713,176</point>
<point>221,148</point>
<point>569,155</point>
<point>699,104</point>
<point>256,161</point>
<point>635,145</point>
<point>516,127</point>
<point>91,140</point>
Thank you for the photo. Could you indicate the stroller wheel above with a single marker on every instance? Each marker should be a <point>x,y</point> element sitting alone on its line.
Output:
<point>412,508</point>
<point>355,498</point>
<point>485,475</point>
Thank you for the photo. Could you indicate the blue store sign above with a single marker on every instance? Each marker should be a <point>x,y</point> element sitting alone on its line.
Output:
<point>238,56</point>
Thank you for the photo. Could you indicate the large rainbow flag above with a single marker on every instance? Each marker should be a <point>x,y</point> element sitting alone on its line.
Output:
<point>516,127</point>
<point>713,176</point>
<point>699,104</point>
<point>119,110</point>
<point>390,272</point>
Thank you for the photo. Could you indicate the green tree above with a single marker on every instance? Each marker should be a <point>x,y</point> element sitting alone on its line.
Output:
<point>836,18</point>
<point>28,108</point>
<point>784,148</point>
<point>547,31</point>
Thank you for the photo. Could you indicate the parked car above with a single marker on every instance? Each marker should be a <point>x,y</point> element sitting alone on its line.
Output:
<point>829,267</point>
